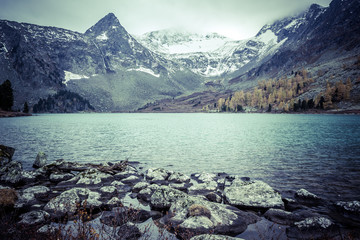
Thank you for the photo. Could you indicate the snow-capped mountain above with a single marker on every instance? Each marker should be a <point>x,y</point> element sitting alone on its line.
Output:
<point>213,55</point>
<point>177,41</point>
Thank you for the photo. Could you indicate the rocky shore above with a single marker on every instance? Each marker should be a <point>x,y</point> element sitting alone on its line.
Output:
<point>66,200</point>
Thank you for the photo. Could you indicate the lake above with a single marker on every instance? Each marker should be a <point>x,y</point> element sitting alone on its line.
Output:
<point>289,151</point>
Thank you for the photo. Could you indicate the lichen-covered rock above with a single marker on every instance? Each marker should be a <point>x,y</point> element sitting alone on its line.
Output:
<point>40,161</point>
<point>6,154</point>
<point>214,237</point>
<point>205,177</point>
<point>88,178</point>
<point>31,196</point>
<point>349,210</point>
<point>140,186</point>
<point>68,202</point>
<point>131,180</point>
<point>146,193</point>
<point>157,175</point>
<point>181,186</point>
<point>129,171</point>
<point>215,217</point>
<point>34,218</point>
<point>313,228</point>
<point>177,177</point>
<point>59,177</point>
<point>306,197</point>
<point>203,188</point>
<point>164,196</point>
<point>11,173</point>
<point>252,194</point>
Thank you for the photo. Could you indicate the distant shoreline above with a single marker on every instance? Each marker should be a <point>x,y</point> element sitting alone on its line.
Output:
<point>4,114</point>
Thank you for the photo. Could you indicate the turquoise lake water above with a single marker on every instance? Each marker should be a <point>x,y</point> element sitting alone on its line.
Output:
<point>317,152</point>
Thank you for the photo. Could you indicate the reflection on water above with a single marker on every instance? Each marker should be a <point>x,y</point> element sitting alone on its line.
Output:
<point>317,152</point>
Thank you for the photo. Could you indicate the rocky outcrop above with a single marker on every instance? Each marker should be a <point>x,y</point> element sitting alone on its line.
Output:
<point>253,194</point>
<point>6,154</point>
<point>40,161</point>
<point>119,198</point>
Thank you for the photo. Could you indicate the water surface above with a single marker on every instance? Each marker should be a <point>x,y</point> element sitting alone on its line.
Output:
<point>317,152</point>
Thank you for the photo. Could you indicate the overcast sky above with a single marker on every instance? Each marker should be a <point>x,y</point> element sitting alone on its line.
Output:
<point>237,19</point>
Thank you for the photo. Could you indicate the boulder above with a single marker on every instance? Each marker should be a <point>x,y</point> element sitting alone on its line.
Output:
<point>177,177</point>
<point>129,171</point>
<point>349,210</point>
<point>157,175</point>
<point>146,193</point>
<point>214,197</point>
<point>214,237</point>
<point>68,202</point>
<point>11,173</point>
<point>281,217</point>
<point>131,180</point>
<point>180,186</point>
<point>121,215</point>
<point>89,178</point>
<point>6,154</point>
<point>128,231</point>
<point>252,194</point>
<point>203,188</point>
<point>34,218</point>
<point>140,186</point>
<point>305,197</point>
<point>40,161</point>
<point>59,177</point>
<point>205,177</point>
<point>313,228</point>
<point>164,196</point>
<point>265,229</point>
<point>192,214</point>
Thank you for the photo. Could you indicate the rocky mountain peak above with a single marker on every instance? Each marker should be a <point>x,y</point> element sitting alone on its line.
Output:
<point>107,23</point>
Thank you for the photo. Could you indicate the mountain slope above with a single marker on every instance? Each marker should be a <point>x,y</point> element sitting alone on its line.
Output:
<point>43,60</point>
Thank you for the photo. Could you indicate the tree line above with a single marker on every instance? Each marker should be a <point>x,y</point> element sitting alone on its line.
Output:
<point>284,95</point>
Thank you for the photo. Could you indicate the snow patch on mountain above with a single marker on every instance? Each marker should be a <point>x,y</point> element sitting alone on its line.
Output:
<point>145,70</point>
<point>102,37</point>
<point>72,76</point>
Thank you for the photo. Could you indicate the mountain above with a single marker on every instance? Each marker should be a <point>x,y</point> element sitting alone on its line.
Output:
<point>105,65</point>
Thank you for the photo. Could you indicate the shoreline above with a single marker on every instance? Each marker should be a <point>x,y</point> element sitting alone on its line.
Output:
<point>182,206</point>
<point>5,114</point>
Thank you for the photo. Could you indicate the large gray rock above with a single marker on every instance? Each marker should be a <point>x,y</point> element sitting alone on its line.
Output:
<point>40,161</point>
<point>6,154</point>
<point>192,214</point>
<point>205,177</point>
<point>157,175</point>
<point>305,197</point>
<point>11,173</point>
<point>177,177</point>
<point>68,202</point>
<point>252,194</point>
<point>140,186</point>
<point>313,228</point>
<point>34,218</point>
<point>146,193</point>
<point>90,178</point>
<point>203,188</point>
<point>349,210</point>
<point>164,196</point>
<point>281,217</point>
<point>59,177</point>
<point>129,171</point>
<point>214,237</point>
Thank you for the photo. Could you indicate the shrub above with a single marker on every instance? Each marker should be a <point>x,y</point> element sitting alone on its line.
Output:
<point>199,210</point>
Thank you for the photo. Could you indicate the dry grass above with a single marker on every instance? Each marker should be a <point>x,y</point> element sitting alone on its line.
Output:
<point>8,197</point>
<point>199,210</point>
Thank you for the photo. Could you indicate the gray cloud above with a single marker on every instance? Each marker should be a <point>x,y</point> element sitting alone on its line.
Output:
<point>234,18</point>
